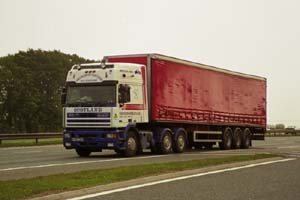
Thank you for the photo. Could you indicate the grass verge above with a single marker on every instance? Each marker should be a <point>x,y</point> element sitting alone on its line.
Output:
<point>286,135</point>
<point>30,142</point>
<point>24,188</point>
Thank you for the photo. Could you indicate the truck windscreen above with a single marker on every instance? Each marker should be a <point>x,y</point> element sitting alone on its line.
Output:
<point>104,96</point>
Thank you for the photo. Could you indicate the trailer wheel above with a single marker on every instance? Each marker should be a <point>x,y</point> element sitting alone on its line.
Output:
<point>83,152</point>
<point>237,138</point>
<point>165,146</point>
<point>179,143</point>
<point>246,138</point>
<point>227,139</point>
<point>131,145</point>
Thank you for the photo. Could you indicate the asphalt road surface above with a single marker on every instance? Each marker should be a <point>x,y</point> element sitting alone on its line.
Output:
<point>273,181</point>
<point>25,162</point>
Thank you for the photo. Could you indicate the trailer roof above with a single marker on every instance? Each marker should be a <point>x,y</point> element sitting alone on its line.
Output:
<point>186,62</point>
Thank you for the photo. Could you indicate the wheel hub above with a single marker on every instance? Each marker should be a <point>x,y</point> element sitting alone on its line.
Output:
<point>180,142</point>
<point>131,144</point>
<point>167,142</point>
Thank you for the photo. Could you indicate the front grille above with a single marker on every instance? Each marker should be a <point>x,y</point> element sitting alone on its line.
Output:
<point>88,119</point>
<point>86,115</point>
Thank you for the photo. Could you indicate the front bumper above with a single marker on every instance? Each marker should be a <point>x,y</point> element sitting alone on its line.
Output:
<point>93,139</point>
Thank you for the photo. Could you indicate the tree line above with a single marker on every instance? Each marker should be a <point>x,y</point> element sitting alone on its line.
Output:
<point>30,89</point>
<point>279,127</point>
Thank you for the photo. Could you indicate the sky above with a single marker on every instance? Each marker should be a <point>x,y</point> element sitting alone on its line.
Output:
<point>260,37</point>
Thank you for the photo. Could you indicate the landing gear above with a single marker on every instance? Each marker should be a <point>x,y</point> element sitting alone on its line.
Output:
<point>209,146</point>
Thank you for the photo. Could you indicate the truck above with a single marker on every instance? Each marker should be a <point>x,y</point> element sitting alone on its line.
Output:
<point>129,103</point>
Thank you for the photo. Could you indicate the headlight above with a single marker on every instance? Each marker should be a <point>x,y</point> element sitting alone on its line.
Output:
<point>67,144</point>
<point>67,135</point>
<point>111,135</point>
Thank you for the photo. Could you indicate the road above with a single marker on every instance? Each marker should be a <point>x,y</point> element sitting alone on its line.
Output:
<point>273,181</point>
<point>26,162</point>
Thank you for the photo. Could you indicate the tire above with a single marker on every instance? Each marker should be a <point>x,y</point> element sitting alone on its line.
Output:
<point>119,151</point>
<point>237,138</point>
<point>83,152</point>
<point>165,146</point>
<point>179,143</point>
<point>246,138</point>
<point>131,145</point>
<point>153,148</point>
<point>227,139</point>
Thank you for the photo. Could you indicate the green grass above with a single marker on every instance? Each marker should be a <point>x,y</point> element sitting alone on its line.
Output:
<point>285,135</point>
<point>29,142</point>
<point>24,188</point>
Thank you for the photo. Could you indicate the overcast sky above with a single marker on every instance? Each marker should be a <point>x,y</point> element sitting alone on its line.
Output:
<point>260,37</point>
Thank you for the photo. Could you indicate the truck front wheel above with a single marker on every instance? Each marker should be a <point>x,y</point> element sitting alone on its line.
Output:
<point>131,145</point>
<point>83,152</point>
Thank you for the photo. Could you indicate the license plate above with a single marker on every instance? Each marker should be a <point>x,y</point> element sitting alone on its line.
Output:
<point>77,139</point>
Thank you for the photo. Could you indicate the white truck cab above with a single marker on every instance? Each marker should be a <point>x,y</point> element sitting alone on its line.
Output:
<point>100,100</point>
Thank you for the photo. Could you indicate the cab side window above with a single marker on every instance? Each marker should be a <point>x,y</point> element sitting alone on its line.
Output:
<point>124,94</point>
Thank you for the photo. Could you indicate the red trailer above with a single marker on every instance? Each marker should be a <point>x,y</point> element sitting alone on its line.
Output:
<point>205,100</point>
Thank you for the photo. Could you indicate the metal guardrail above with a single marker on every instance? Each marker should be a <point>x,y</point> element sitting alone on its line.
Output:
<point>35,136</point>
<point>38,136</point>
<point>283,132</point>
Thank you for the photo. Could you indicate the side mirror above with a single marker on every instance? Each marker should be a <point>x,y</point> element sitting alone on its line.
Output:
<point>124,94</point>
<point>63,96</point>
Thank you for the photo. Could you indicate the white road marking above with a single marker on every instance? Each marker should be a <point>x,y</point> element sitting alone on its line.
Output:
<point>76,163</point>
<point>220,154</point>
<point>177,179</point>
<point>24,152</point>
<point>289,147</point>
<point>294,154</point>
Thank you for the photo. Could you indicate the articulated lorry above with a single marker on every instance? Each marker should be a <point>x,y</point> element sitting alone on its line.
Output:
<point>133,102</point>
